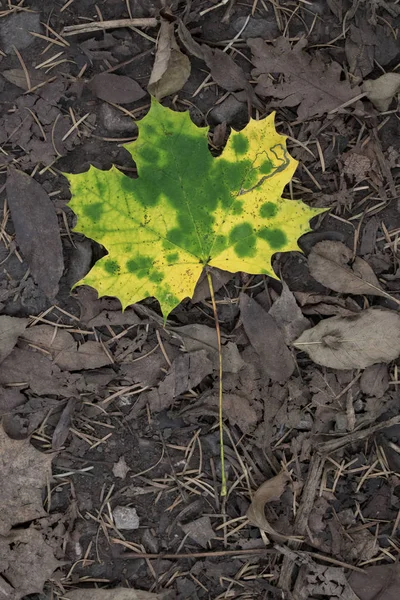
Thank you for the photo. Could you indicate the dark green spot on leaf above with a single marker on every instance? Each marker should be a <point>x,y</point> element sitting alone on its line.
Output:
<point>268,210</point>
<point>276,238</point>
<point>240,144</point>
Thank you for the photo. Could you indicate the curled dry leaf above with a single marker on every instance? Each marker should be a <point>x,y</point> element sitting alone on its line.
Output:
<point>270,490</point>
<point>117,89</point>
<point>288,315</point>
<point>332,264</point>
<point>171,67</point>
<point>372,336</point>
<point>381,91</point>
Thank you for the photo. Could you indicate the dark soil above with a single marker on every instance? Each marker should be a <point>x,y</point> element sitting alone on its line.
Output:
<point>342,503</point>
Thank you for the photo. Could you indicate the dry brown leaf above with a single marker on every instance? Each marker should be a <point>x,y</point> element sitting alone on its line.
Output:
<point>223,69</point>
<point>64,349</point>
<point>332,264</point>
<point>200,337</point>
<point>24,472</point>
<point>10,330</point>
<point>381,582</point>
<point>288,315</point>
<point>372,336</point>
<point>27,561</point>
<point>117,89</point>
<point>269,491</point>
<point>171,68</point>
<point>17,77</point>
<point>381,91</point>
<point>266,339</point>
<point>318,304</point>
<point>375,380</point>
<point>308,81</point>
<point>37,230</point>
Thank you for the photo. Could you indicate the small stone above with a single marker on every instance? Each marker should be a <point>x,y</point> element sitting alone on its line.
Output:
<point>120,468</point>
<point>16,30</point>
<point>200,531</point>
<point>256,28</point>
<point>125,518</point>
<point>230,110</point>
<point>113,120</point>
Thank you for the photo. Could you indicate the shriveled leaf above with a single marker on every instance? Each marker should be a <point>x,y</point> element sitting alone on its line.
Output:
<point>201,337</point>
<point>24,472</point>
<point>117,89</point>
<point>200,531</point>
<point>223,69</point>
<point>288,315</point>
<point>10,330</point>
<point>381,91</point>
<point>188,209</point>
<point>372,336</point>
<point>27,562</point>
<point>37,230</point>
<point>64,349</point>
<point>308,82</point>
<point>171,68</point>
<point>186,372</point>
<point>332,264</point>
<point>375,380</point>
<point>61,431</point>
<point>318,304</point>
<point>266,339</point>
<point>269,491</point>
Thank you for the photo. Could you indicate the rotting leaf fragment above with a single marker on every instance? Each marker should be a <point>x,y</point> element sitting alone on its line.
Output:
<point>188,209</point>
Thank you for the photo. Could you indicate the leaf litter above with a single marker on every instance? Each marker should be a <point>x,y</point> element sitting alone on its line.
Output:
<point>271,423</point>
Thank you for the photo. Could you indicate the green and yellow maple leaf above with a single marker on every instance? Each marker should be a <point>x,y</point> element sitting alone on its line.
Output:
<point>187,209</point>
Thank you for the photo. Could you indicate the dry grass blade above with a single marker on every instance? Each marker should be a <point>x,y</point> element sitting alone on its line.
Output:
<point>104,25</point>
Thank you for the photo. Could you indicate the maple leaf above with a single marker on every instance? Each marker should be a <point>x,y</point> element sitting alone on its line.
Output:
<point>188,209</point>
<point>308,82</point>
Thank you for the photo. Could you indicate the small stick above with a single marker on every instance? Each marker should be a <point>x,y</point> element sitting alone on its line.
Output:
<point>101,25</point>
<point>221,419</point>
<point>251,551</point>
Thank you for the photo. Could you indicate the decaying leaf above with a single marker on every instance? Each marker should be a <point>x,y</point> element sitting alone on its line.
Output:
<point>375,380</point>
<point>200,531</point>
<point>117,89</point>
<point>372,336</point>
<point>381,91</point>
<point>24,472</point>
<point>200,337</point>
<point>381,582</point>
<point>171,68</point>
<point>308,81</point>
<point>269,491</point>
<point>37,230</point>
<point>223,69</point>
<point>188,209</point>
<point>332,264</point>
<point>17,77</point>
<point>27,562</point>
<point>266,339</point>
<point>288,315</point>
<point>10,330</point>
<point>64,349</point>
<point>318,304</point>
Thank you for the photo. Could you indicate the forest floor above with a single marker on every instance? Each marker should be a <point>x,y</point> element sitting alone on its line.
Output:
<point>109,458</point>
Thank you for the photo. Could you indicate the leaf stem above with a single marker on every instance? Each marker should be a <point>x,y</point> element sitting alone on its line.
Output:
<point>220,403</point>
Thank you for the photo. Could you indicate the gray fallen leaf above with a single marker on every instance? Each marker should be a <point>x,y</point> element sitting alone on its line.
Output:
<point>171,68</point>
<point>64,349</point>
<point>186,372</point>
<point>17,77</point>
<point>200,531</point>
<point>24,472</point>
<point>381,91</point>
<point>117,89</point>
<point>200,337</point>
<point>380,582</point>
<point>10,330</point>
<point>331,264</point>
<point>288,315</point>
<point>266,339</point>
<point>375,380</point>
<point>372,336</point>
<point>36,229</point>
